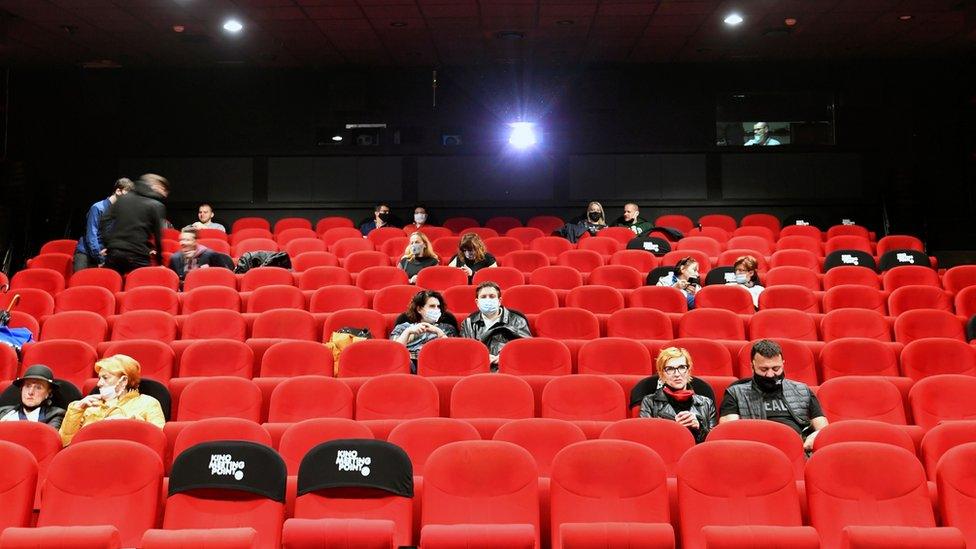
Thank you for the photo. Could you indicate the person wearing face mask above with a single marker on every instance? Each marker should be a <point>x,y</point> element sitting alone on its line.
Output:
<point>418,255</point>
<point>472,256</point>
<point>684,278</point>
<point>493,324</point>
<point>38,391</point>
<point>769,395</point>
<point>632,219</point>
<point>381,218</point>
<point>421,219</point>
<point>592,222</point>
<point>761,137</point>
<point>676,399</point>
<point>747,275</point>
<point>425,319</point>
<point>117,398</point>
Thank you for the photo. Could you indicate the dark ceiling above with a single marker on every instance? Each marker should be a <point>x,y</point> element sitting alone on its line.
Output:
<point>311,33</point>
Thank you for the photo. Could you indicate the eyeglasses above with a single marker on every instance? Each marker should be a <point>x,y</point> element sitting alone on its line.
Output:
<point>676,369</point>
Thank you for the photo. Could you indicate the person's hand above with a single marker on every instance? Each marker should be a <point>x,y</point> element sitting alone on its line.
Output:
<point>103,252</point>
<point>152,252</point>
<point>197,225</point>
<point>493,359</point>
<point>687,419</point>
<point>413,279</point>
<point>808,443</point>
<point>682,284</point>
<point>436,331</point>
<point>467,270</point>
<point>90,400</point>
<point>692,289</point>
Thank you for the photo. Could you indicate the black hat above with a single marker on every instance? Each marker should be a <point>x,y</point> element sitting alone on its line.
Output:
<point>37,371</point>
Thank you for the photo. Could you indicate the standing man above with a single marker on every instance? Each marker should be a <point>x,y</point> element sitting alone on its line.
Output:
<point>135,218</point>
<point>632,219</point>
<point>205,214</point>
<point>381,218</point>
<point>90,251</point>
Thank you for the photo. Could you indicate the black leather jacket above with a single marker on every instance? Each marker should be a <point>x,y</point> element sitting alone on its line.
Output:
<point>657,405</point>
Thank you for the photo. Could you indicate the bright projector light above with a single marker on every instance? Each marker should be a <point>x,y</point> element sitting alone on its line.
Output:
<point>523,135</point>
<point>233,26</point>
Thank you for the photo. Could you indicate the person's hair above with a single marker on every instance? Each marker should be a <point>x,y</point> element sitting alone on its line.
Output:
<point>682,263</point>
<point>667,354</point>
<point>124,184</point>
<point>190,230</point>
<point>471,241</point>
<point>634,204</point>
<point>603,218</point>
<point>422,207</point>
<point>748,263</point>
<point>121,365</point>
<point>205,204</point>
<point>419,300</point>
<point>380,205</point>
<point>428,248</point>
<point>153,179</point>
<point>488,284</point>
<point>765,348</point>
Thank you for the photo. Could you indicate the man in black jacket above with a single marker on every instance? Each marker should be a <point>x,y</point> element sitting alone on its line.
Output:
<point>137,217</point>
<point>193,255</point>
<point>37,389</point>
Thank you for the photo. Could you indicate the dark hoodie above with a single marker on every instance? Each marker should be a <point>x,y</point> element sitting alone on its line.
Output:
<point>138,216</point>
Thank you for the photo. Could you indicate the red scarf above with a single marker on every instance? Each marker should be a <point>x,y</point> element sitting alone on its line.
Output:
<point>681,395</point>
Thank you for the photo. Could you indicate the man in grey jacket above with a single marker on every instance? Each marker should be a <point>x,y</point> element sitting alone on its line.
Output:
<point>493,324</point>
<point>769,395</point>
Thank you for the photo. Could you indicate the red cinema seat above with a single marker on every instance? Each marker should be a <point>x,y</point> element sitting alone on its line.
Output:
<point>214,323</point>
<point>705,263</point>
<point>637,259</point>
<point>432,232</point>
<point>505,277</point>
<point>525,261</point>
<point>198,278</point>
<point>128,499</point>
<point>297,246</point>
<point>942,438</point>
<point>921,323</point>
<point>395,299</point>
<point>335,234</point>
<point>848,242</point>
<point>862,323</point>
<point>783,323</point>
<point>946,397</point>
<point>542,437</point>
<point>382,234</point>
<point>965,302</point>
<point>503,224</point>
<point>535,356</point>
<point>309,260</point>
<point>858,356</point>
<point>211,297</point>
<point>336,298</point>
<point>348,246</point>
<point>134,430</point>
<point>706,245</point>
<point>149,298</point>
<point>621,277</point>
<point>266,276</point>
<point>333,221</point>
<point>552,246</point>
<point>480,493</point>
<point>863,430</point>
<point>640,323</point>
<point>676,221</point>
<point>757,244</point>
<point>69,360</point>
<point>849,230</point>
<point>729,257</point>
<point>567,323</point>
<point>593,507</point>
<point>602,245</point>
<point>33,302</point>
<point>85,298</point>
<point>441,277</point>
<point>774,434</point>
<point>62,263</point>
<point>377,278</point>
<point>242,223</point>
<point>851,274</point>
<point>714,481</point>
<point>814,246</point>
<point>374,357</point>
<point>40,439</point>
<point>712,324</point>
<point>383,402</point>
<point>49,280</point>
<point>716,233</point>
<point>446,247</point>
<point>459,224</point>
<point>557,277</point>
<point>957,493</point>
<point>20,319</point>
<point>732,298</point>
<point>81,326</point>
<point>769,221</point>
<point>325,275</point>
<point>796,276</point>
<point>357,261</point>
<point>899,242</point>
<point>500,246</point>
<point>250,233</point>
<point>278,296</point>
<point>61,246</point>
<point>105,278</point>
<point>488,401</point>
<point>662,298</point>
<point>18,480</point>
<point>221,396</point>
<point>907,298</point>
<point>934,356</point>
<point>217,357</point>
<point>590,400</point>
<point>531,298</point>
<point>152,276</point>
<point>286,223</point>
<point>287,236</point>
<point>545,223</point>
<point>668,439</point>
<point>789,297</point>
<point>421,436</point>
<point>156,359</point>
<point>483,232</point>
<point>709,358</point>
<point>582,260</point>
<point>957,278</point>
<point>722,221</point>
<point>453,357</point>
<point>208,502</point>
<point>848,493</point>
<point>306,397</point>
<point>907,275</point>
<point>297,358</point>
<point>853,296</point>
<point>253,245</point>
<point>596,299</point>
<point>615,355</point>
<point>358,318</point>
<point>525,234</point>
<point>302,436</point>
<point>809,231</point>
<point>796,258</point>
<point>861,397</point>
<point>144,325</point>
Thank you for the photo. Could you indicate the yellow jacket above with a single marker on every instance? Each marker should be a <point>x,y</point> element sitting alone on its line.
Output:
<point>132,405</point>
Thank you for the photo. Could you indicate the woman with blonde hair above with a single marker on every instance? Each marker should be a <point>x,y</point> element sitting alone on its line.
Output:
<point>472,256</point>
<point>117,398</point>
<point>418,255</point>
<point>675,399</point>
<point>594,221</point>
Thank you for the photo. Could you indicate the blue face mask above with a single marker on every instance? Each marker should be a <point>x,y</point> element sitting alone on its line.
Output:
<point>488,305</point>
<point>741,278</point>
<point>432,315</point>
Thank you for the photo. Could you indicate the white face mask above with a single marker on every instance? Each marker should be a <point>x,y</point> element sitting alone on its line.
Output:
<point>110,391</point>
<point>416,249</point>
<point>741,278</point>
<point>488,305</point>
<point>469,254</point>
<point>432,315</point>
<point>419,218</point>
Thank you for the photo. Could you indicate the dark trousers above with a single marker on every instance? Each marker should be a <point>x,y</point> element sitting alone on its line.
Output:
<point>125,262</point>
<point>82,261</point>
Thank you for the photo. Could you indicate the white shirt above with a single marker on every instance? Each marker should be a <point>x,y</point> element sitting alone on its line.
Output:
<point>14,415</point>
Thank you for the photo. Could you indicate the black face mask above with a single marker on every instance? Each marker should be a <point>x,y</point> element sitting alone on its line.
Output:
<point>594,216</point>
<point>384,217</point>
<point>769,384</point>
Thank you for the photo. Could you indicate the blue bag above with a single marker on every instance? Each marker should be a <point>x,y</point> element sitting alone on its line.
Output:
<point>15,337</point>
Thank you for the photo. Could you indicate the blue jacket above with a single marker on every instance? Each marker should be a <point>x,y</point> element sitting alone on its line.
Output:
<point>90,243</point>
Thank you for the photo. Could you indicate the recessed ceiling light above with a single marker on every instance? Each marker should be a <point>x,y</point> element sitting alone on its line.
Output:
<point>233,26</point>
<point>398,24</point>
<point>905,17</point>
<point>565,22</point>
<point>733,19</point>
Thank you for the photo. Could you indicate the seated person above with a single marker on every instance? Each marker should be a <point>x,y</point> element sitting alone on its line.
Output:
<point>37,391</point>
<point>593,222</point>
<point>493,324</point>
<point>685,278</point>
<point>676,399</point>
<point>746,274</point>
<point>632,219</point>
<point>118,397</point>
<point>421,218</point>
<point>381,218</point>
<point>418,256</point>
<point>769,395</point>
<point>193,255</point>
<point>425,319</point>
<point>472,256</point>
<point>205,214</point>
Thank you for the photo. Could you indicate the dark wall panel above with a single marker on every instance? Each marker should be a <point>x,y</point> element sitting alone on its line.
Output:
<point>334,179</point>
<point>495,178</point>
<point>222,179</point>
<point>792,176</point>
<point>638,177</point>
